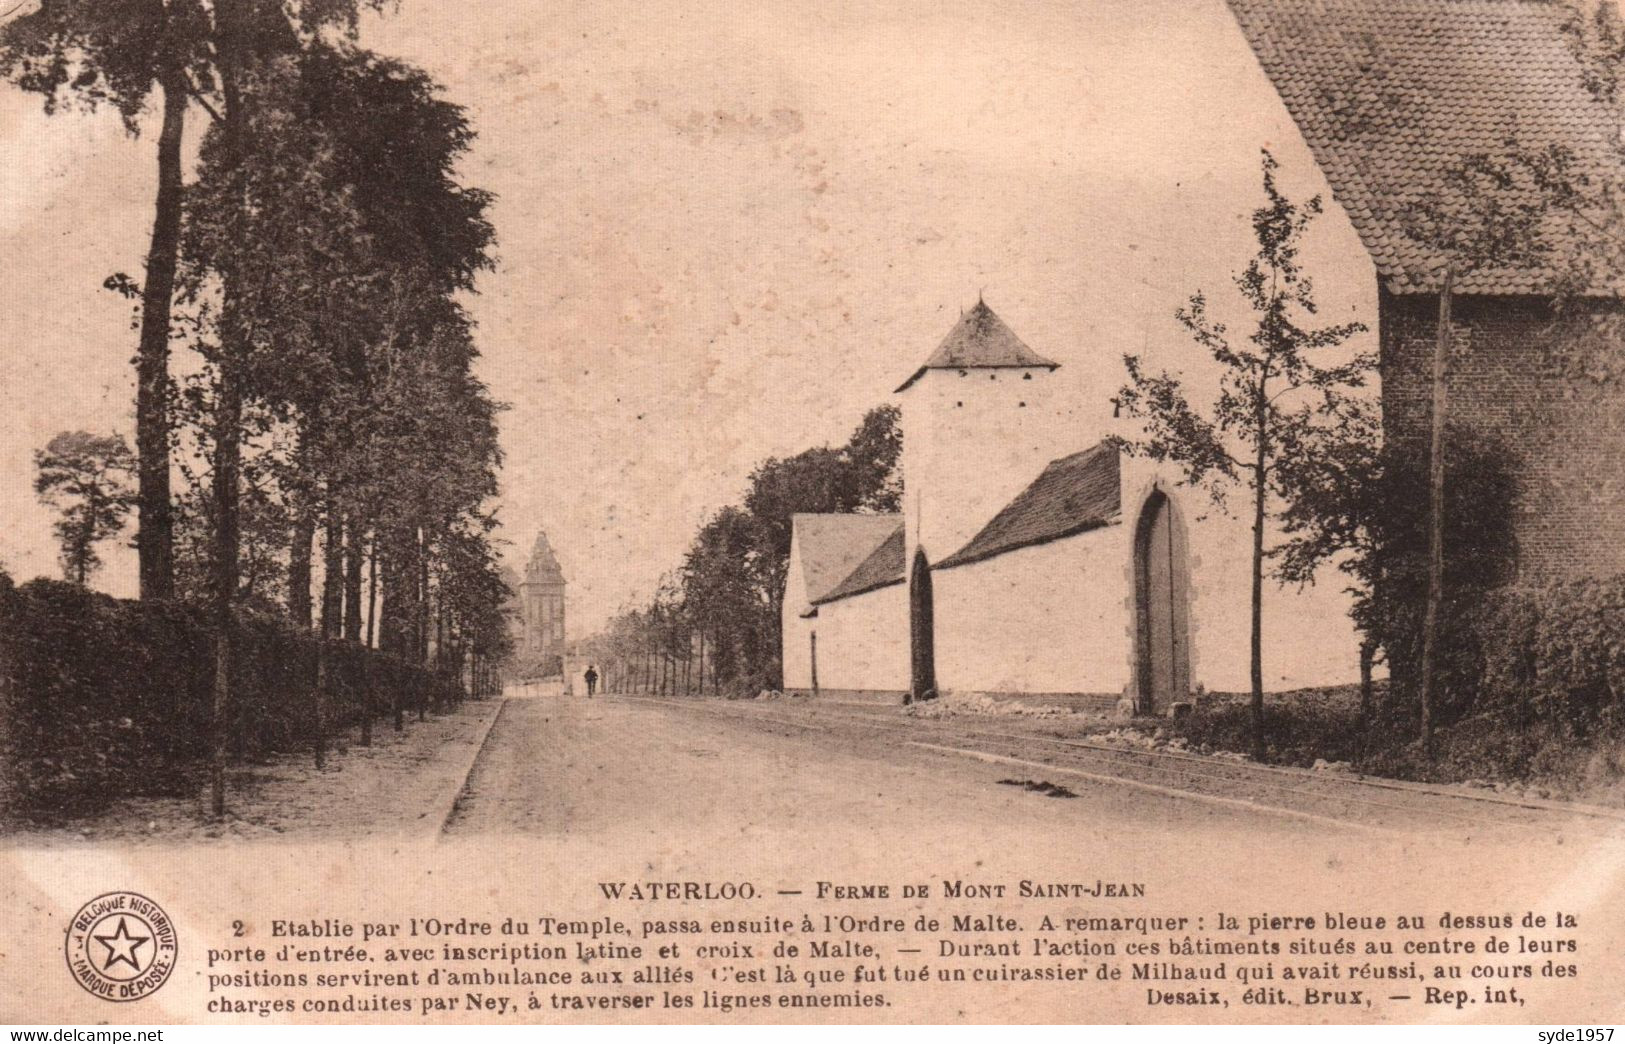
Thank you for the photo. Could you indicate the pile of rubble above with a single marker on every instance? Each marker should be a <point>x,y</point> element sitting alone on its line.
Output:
<point>952,704</point>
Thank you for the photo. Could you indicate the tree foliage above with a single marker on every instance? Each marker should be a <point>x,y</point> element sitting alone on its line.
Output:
<point>120,53</point>
<point>89,480</point>
<point>319,255</point>
<point>716,622</point>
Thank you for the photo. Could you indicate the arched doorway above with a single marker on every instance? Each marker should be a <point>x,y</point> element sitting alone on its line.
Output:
<point>922,672</point>
<point>1161,584</point>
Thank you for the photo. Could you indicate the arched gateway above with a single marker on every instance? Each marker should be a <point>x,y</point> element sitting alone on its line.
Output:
<point>1162,585</point>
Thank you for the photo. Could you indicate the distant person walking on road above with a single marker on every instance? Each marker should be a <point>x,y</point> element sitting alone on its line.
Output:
<point>592,680</point>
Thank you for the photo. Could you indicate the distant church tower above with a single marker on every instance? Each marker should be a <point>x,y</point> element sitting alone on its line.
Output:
<point>541,599</point>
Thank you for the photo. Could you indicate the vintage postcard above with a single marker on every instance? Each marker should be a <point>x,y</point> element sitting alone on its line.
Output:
<point>1083,511</point>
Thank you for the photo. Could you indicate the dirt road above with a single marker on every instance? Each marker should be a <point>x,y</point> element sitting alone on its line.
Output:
<point>559,765</point>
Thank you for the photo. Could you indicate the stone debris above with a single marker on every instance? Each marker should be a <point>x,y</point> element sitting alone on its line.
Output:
<point>950,704</point>
<point>1159,740</point>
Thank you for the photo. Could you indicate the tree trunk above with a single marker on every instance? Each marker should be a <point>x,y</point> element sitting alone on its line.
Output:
<point>227,464</point>
<point>372,591</point>
<point>440,635</point>
<point>1368,655</point>
<point>332,609</point>
<point>354,552</point>
<point>423,620</point>
<point>228,419</point>
<point>299,560</point>
<point>391,628</point>
<point>1430,618</point>
<point>366,697</point>
<point>155,541</point>
<point>1260,498</point>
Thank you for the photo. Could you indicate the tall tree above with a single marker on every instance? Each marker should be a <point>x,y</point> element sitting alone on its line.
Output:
<point>258,215</point>
<point>861,475</point>
<point>118,52</point>
<point>87,479</point>
<point>1273,390</point>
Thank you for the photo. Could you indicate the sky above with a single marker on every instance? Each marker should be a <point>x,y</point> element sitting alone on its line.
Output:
<point>725,232</point>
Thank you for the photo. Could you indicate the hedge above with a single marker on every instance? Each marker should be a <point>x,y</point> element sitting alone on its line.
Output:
<point>103,698</point>
<point>1551,653</point>
<point>1557,651</point>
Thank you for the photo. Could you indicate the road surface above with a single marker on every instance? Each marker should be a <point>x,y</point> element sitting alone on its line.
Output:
<point>557,765</point>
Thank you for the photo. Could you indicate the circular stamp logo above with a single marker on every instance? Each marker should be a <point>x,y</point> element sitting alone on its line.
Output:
<point>121,946</point>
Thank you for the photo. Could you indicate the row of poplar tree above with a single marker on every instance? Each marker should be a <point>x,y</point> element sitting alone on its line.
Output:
<point>305,366</point>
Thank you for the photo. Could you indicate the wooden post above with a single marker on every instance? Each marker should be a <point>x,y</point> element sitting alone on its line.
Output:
<point>1430,619</point>
<point>813,639</point>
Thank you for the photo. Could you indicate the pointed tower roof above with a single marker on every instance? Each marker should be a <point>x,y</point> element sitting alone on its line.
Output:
<point>543,567</point>
<point>981,340</point>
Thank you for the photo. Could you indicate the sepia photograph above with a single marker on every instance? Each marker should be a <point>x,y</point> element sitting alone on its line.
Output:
<point>1052,511</point>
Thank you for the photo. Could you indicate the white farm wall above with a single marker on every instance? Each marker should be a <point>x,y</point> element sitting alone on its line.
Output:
<point>1059,618</point>
<point>862,642</point>
<point>797,666</point>
<point>793,629</point>
<point>972,440</point>
<point>1042,619</point>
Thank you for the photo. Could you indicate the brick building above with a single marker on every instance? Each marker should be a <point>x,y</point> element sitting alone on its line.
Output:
<point>1390,95</point>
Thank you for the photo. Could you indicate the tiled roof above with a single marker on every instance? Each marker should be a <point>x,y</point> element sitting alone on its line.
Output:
<point>1390,94</point>
<point>1073,494</point>
<point>881,569</point>
<point>980,340</point>
<point>831,546</point>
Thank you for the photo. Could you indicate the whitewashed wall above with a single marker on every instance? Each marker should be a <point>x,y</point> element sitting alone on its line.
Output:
<point>1048,618</point>
<point>972,440</point>
<point>1060,617</point>
<point>862,642</point>
<point>794,628</point>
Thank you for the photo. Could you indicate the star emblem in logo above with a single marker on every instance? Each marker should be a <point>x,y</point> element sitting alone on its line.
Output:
<point>121,946</point>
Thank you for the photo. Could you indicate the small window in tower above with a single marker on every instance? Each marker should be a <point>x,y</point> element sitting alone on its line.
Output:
<point>1021,404</point>
<point>992,376</point>
<point>1026,376</point>
<point>959,404</point>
